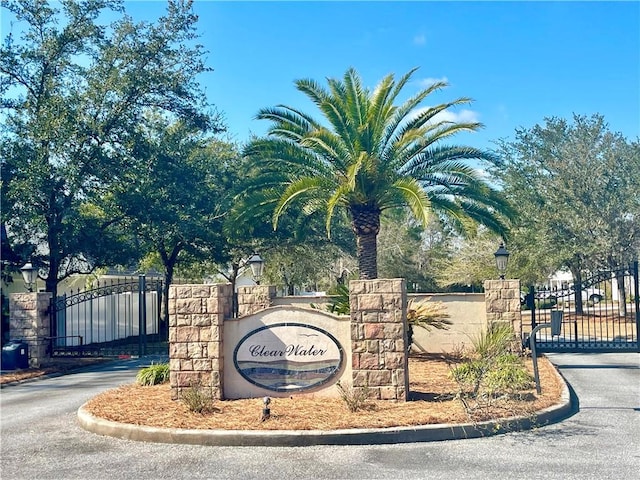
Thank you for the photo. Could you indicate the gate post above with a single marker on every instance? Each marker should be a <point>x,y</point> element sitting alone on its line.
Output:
<point>379,337</point>
<point>502,301</point>
<point>29,321</point>
<point>636,295</point>
<point>196,319</point>
<point>142,315</point>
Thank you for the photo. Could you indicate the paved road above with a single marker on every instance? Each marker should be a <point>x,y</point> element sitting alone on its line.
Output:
<point>40,439</point>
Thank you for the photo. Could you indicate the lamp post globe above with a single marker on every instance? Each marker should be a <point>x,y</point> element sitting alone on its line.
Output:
<point>29,275</point>
<point>257,266</point>
<point>502,257</point>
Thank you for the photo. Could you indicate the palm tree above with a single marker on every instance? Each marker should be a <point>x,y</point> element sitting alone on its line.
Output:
<point>370,156</point>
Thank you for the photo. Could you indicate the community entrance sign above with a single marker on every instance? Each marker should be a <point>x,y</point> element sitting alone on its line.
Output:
<point>282,350</point>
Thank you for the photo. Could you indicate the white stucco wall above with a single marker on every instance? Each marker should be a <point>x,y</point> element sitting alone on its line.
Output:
<point>466,311</point>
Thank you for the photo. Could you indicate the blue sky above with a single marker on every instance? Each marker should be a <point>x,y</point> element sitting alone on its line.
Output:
<point>519,61</point>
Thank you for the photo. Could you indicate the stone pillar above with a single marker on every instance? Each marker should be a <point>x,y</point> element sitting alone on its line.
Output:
<point>30,322</point>
<point>502,300</point>
<point>196,316</point>
<point>379,337</point>
<point>253,298</point>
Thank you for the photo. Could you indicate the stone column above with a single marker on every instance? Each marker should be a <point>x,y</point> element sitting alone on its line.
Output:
<point>253,298</point>
<point>196,316</point>
<point>379,338</point>
<point>502,300</point>
<point>29,321</point>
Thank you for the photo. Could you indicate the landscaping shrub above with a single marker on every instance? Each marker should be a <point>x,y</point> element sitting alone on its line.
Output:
<point>509,375</point>
<point>154,374</point>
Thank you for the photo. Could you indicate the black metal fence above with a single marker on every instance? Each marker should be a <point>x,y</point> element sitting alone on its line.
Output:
<point>120,317</point>
<point>599,314</point>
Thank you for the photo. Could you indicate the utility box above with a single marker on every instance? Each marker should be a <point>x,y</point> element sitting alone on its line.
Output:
<point>15,354</point>
<point>556,322</point>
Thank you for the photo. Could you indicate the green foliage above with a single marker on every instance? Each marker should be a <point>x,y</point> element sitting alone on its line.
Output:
<point>355,398</point>
<point>339,303</point>
<point>509,375</point>
<point>546,304</point>
<point>470,374</point>
<point>292,265</point>
<point>495,341</point>
<point>154,374</point>
<point>411,251</point>
<point>470,263</point>
<point>492,368</point>
<point>176,208</point>
<point>574,184</point>
<point>75,93</point>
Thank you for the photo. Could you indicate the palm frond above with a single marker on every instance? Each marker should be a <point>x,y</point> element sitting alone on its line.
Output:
<point>331,105</point>
<point>327,146</point>
<point>402,112</point>
<point>356,99</point>
<point>419,134</point>
<point>337,197</point>
<point>442,157</point>
<point>296,189</point>
<point>415,197</point>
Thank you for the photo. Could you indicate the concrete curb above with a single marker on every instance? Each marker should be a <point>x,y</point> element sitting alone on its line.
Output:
<point>299,438</point>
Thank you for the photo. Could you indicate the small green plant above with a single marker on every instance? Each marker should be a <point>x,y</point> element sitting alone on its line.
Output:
<point>428,315</point>
<point>197,399</point>
<point>509,375</point>
<point>354,397</point>
<point>469,375</point>
<point>154,374</point>
<point>339,304</point>
<point>496,340</point>
<point>492,367</point>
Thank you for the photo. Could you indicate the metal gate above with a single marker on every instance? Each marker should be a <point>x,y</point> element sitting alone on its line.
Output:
<point>600,314</point>
<point>119,318</point>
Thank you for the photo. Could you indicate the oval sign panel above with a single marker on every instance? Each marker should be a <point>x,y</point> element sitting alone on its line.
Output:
<point>288,357</point>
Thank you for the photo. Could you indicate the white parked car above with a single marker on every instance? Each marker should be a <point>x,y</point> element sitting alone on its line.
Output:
<point>589,294</point>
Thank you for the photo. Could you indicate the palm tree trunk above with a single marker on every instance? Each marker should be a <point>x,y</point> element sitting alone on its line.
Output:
<point>367,256</point>
<point>365,222</point>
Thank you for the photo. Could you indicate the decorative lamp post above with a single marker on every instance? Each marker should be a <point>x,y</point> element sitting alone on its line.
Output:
<point>29,275</point>
<point>502,257</point>
<point>257,267</point>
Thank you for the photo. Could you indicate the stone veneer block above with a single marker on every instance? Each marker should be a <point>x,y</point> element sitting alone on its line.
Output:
<point>252,299</point>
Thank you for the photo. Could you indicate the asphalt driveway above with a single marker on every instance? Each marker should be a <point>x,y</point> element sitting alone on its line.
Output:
<point>40,439</point>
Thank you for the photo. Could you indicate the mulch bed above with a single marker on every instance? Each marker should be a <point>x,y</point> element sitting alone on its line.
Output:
<point>432,400</point>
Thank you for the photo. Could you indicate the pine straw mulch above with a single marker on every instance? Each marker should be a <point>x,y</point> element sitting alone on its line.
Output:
<point>432,401</point>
